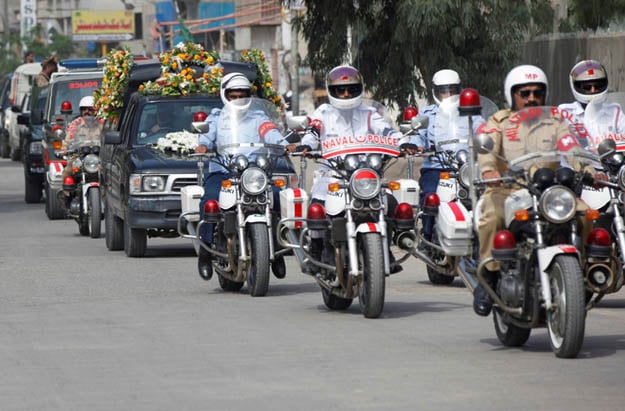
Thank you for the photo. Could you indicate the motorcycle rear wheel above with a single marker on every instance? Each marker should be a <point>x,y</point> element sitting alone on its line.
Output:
<point>509,334</point>
<point>434,276</point>
<point>258,247</point>
<point>372,262</point>
<point>95,212</point>
<point>566,322</point>
<point>334,302</point>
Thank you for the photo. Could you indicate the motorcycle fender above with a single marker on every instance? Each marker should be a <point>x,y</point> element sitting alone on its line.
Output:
<point>227,198</point>
<point>368,228</point>
<point>255,218</point>
<point>547,254</point>
<point>447,189</point>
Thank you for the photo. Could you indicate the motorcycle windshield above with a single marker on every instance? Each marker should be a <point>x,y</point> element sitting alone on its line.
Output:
<point>546,139</point>
<point>87,133</point>
<point>452,130</point>
<point>250,126</point>
<point>604,119</point>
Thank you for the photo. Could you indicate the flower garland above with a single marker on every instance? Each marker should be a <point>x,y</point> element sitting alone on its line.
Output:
<point>109,97</point>
<point>179,142</point>
<point>257,57</point>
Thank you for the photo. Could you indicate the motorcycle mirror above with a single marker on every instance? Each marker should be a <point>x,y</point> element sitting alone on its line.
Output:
<point>418,122</point>
<point>606,147</point>
<point>199,126</point>
<point>297,122</point>
<point>484,143</point>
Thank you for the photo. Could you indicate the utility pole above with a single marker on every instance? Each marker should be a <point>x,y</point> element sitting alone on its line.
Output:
<point>294,65</point>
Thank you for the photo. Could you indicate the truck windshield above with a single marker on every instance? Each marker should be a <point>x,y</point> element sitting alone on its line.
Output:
<point>159,118</point>
<point>72,91</point>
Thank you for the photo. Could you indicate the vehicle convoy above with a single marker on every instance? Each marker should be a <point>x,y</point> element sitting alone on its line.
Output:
<point>541,280</point>
<point>244,246</point>
<point>81,185</point>
<point>357,223</point>
<point>21,82</point>
<point>32,151</point>
<point>142,176</point>
<point>65,91</point>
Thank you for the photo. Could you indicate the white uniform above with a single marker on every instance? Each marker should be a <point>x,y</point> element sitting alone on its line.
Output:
<point>607,122</point>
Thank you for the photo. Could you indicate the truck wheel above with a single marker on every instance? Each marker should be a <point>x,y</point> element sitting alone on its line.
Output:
<point>135,241</point>
<point>16,154</point>
<point>32,191</point>
<point>5,150</point>
<point>113,230</point>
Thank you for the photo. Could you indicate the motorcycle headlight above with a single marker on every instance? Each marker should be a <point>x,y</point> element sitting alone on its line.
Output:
<point>262,162</point>
<point>35,148</point>
<point>151,184</point>
<point>621,178</point>
<point>351,162</point>
<point>240,162</point>
<point>91,163</point>
<point>365,184</point>
<point>464,175</point>
<point>77,163</point>
<point>557,204</point>
<point>374,161</point>
<point>462,156</point>
<point>254,181</point>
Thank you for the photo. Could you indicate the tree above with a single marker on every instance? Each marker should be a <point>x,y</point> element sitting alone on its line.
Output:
<point>399,44</point>
<point>592,14</point>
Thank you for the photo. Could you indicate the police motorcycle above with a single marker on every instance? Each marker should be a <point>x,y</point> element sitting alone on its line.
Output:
<point>604,270</point>
<point>541,279</point>
<point>244,246</point>
<point>83,185</point>
<point>453,245</point>
<point>357,232</point>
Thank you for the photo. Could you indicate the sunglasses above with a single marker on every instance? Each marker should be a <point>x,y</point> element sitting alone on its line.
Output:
<point>233,96</point>
<point>353,89</point>
<point>526,93</point>
<point>588,87</point>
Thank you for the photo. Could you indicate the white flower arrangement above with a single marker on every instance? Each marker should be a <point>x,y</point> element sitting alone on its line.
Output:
<point>179,142</point>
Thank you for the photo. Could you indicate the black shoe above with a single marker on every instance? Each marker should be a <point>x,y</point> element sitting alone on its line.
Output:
<point>278,267</point>
<point>205,264</point>
<point>394,266</point>
<point>482,303</point>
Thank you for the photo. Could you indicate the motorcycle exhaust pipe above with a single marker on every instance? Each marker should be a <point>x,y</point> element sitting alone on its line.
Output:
<point>406,240</point>
<point>600,277</point>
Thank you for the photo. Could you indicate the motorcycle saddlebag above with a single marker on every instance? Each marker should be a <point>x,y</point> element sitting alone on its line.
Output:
<point>190,197</point>
<point>293,204</point>
<point>408,192</point>
<point>453,227</point>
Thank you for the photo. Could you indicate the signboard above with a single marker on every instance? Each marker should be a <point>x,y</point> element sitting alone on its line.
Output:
<point>28,17</point>
<point>103,25</point>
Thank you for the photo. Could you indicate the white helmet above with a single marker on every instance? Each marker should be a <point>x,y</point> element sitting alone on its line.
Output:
<point>235,81</point>
<point>338,79</point>
<point>86,101</point>
<point>445,81</point>
<point>524,74</point>
<point>587,73</point>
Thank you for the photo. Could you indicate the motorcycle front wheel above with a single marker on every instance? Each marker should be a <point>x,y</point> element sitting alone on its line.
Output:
<point>372,263</point>
<point>83,219</point>
<point>95,212</point>
<point>258,247</point>
<point>567,320</point>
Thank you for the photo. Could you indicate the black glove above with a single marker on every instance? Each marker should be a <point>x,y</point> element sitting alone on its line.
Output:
<point>302,148</point>
<point>408,146</point>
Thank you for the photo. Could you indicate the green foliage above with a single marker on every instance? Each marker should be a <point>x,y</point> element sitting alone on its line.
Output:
<point>399,44</point>
<point>592,14</point>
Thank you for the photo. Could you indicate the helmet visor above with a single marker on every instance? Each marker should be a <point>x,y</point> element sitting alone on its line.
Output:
<point>345,91</point>
<point>591,86</point>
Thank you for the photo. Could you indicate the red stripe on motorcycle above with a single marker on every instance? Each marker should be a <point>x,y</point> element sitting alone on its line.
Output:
<point>57,166</point>
<point>456,210</point>
<point>568,248</point>
<point>297,193</point>
<point>372,227</point>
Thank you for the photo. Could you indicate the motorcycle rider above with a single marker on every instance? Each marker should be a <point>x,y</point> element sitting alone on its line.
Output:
<point>86,118</point>
<point>588,80</point>
<point>345,114</point>
<point>235,91</point>
<point>445,83</point>
<point>524,86</point>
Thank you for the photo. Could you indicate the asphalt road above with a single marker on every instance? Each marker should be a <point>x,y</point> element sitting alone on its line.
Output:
<point>83,328</point>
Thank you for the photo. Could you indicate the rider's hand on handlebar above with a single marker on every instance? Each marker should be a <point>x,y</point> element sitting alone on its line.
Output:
<point>303,149</point>
<point>201,149</point>
<point>490,175</point>
<point>599,177</point>
<point>290,147</point>
<point>411,148</point>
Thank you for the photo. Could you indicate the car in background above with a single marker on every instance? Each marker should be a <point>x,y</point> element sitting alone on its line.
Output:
<point>21,83</point>
<point>5,105</point>
<point>65,90</point>
<point>32,150</point>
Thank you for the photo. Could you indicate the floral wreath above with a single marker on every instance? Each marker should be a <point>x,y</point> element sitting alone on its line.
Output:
<point>180,143</point>
<point>257,57</point>
<point>109,97</point>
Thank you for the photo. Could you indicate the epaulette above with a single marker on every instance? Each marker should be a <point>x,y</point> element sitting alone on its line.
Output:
<point>501,115</point>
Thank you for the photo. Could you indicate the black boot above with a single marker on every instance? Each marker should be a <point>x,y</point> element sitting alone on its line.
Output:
<point>205,264</point>
<point>482,303</point>
<point>394,266</point>
<point>278,267</point>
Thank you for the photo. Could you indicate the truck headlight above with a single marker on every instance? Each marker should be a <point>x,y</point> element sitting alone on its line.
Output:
<point>35,147</point>
<point>146,183</point>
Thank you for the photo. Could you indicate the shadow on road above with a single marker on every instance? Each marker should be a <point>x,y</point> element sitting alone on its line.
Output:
<point>398,309</point>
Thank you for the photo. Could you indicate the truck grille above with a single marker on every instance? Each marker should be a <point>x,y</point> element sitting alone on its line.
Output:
<point>181,182</point>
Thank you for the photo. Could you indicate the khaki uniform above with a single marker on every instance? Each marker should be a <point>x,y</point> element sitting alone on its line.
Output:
<point>42,80</point>
<point>513,139</point>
